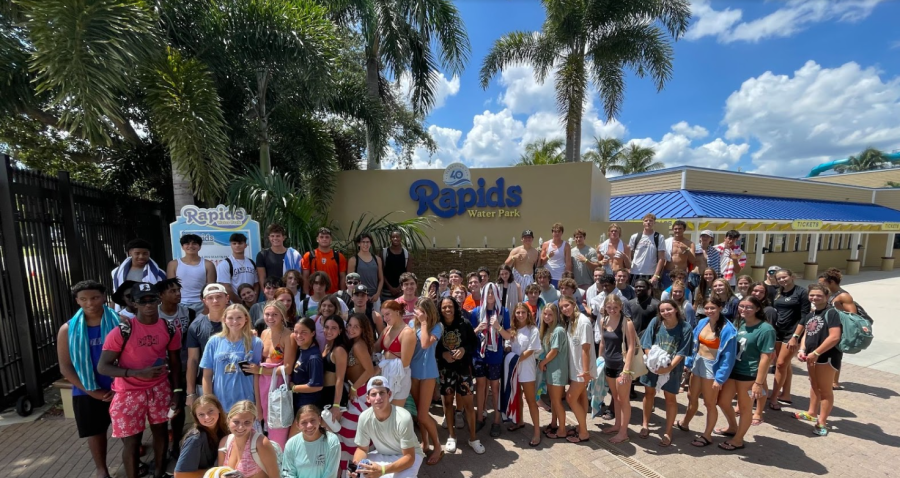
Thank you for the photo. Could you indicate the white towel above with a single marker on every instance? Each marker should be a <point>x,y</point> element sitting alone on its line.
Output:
<point>655,360</point>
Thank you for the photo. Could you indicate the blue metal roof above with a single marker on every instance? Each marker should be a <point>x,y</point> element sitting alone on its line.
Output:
<point>684,204</point>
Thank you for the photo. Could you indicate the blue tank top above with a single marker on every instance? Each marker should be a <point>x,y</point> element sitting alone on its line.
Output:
<point>95,339</point>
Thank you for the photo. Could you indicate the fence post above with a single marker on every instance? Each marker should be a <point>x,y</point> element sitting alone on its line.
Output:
<point>15,264</point>
<point>67,207</point>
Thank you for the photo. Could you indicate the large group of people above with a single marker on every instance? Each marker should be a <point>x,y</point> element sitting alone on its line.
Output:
<point>313,365</point>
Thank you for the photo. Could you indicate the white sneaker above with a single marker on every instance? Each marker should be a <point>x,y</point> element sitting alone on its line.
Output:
<point>460,420</point>
<point>451,445</point>
<point>444,423</point>
<point>477,446</point>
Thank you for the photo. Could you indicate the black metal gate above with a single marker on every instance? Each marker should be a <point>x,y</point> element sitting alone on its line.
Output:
<point>53,233</point>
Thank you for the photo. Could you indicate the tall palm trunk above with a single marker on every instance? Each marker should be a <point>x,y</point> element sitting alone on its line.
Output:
<point>373,157</point>
<point>262,83</point>
<point>181,189</point>
<point>575,109</point>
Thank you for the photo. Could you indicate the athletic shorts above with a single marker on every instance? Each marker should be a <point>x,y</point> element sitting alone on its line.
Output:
<point>91,416</point>
<point>492,371</point>
<point>833,357</point>
<point>741,377</point>
<point>129,410</point>
<point>452,382</point>
<point>613,372</point>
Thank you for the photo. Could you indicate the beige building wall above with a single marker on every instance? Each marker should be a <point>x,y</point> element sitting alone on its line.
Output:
<point>576,195</point>
<point>888,198</point>
<point>701,180</point>
<point>870,179</point>
<point>647,183</point>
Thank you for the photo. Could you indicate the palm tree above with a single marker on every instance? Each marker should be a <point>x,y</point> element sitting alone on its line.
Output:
<point>542,152</point>
<point>99,69</point>
<point>867,160</point>
<point>638,159</point>
<point>593,41</point>
<point>405,37</point>
<point>607,155</point>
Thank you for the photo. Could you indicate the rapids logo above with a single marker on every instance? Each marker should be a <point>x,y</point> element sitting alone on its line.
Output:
<point>448,202</point>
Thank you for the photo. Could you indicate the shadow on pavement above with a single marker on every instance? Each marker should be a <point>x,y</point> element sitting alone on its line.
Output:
<point>865,431</point>
<point>878,392</point>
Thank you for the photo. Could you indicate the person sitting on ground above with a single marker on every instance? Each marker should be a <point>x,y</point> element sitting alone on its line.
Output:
<point>390,430</point>
<point>79,345</point>
<point>315,452</point>
<point>193,271</point>
<point>245,449</point>
<point>199,449</point>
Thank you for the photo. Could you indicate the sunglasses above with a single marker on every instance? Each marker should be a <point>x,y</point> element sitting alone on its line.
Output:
<point>352,282</point>
<point>771,273</point>
<point>148,302</point>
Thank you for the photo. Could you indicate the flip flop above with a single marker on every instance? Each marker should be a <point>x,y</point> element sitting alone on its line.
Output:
<point>728,446</point>
<point>785,402</point>
<point>644,433</point>
<point>681,427</point>
<point>723,432</point>
<point>533,444</point>
<point>624,440</point>
<point>839,387</point>
<point>440,457</point>
<point>577,439</point>
<point>803,416</point>
<point>702,440</point>
<point>666,441</point>
<point>515,427</point>
<point>756,422</point>
<point>548,430</point>
<point>772,406</point>
<point>570,432</point>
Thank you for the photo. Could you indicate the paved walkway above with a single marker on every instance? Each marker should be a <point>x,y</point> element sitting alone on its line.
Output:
<point>864,440</point>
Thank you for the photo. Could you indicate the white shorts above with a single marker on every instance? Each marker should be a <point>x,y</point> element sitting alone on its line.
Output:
<point>523,280</point>
<point>385,460</point>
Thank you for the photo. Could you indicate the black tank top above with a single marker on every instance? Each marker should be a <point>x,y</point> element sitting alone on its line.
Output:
<point>612,346</point>
<point>394,265</point>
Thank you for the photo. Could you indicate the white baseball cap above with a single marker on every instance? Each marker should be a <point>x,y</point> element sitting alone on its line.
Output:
<point>385,383</point>
<point>214,289</point>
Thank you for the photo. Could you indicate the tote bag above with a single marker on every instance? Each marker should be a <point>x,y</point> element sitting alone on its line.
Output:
<point>281,403</point>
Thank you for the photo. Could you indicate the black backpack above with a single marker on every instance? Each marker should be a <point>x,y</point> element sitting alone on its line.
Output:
<point>312,260</point>
<point>231,266</point>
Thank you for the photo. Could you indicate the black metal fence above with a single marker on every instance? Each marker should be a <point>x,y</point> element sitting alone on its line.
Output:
<point>53,233</point>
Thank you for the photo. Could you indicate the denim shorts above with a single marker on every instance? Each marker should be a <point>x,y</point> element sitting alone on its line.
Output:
<point>703,368</point>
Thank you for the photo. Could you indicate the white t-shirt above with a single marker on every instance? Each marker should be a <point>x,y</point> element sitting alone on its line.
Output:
<point>312,309</point>
<point>583,334</point>
<point>527,339</point>
<point>390,437</point>
<point>645,253</point>
<point>600,298</point>
<point>244,273</point>
<point>590,293</point>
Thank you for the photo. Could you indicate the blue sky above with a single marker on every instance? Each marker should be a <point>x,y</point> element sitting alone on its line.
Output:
<point>774,87</point>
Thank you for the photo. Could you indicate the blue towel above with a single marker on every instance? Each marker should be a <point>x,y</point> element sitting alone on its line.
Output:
<point>292,260</point>
<point>152,273</point>
<point>80,347</point>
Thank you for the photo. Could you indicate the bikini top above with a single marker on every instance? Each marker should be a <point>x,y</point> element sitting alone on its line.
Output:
<point>394,347</point>
<point>710,344</point>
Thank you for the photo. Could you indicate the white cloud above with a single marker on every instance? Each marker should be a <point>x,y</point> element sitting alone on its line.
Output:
<point>524,95</point>
<point>793,17</point>
<point>493,139</point>
<point>817,115</point>
<point>445,88</point>
<point>676,148</point>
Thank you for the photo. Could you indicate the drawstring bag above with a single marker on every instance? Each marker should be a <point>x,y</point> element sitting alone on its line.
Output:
<point>281,403</point>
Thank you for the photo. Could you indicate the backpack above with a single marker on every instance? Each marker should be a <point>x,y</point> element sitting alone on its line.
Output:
<point>856,332</point>
<point>636,238</point>
<point>255,453</point>
<point>125,329</point>
<point>384,254</point>
<point>862,312</point>
<point>312,260</point>
<point>231,266</point>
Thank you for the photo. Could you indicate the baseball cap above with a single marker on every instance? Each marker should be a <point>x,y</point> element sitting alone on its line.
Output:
<point>527,233</point>
<point>774,268</point>
<point>213,289</point>
<point>385,383</point>
<point>360,289</point>
<point>707,232</point>
<point>141,290</point>
<point>353,276</point>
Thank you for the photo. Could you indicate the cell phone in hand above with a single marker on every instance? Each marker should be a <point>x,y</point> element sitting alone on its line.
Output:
<point>241,366</point>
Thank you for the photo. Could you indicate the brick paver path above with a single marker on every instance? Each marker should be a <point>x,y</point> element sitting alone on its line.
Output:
<point>865,441</point>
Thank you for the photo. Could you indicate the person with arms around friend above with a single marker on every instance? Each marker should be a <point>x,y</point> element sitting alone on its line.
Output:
<point>277,259</point>
<point>582,365</point>
<point>424,372</point>
<point>360,369</point>
<point>307,373</point>
<point>279,351</point>
<point>79,346</point>
<point>390,430</point>
<point>142,354</point>
<point>555,368</point>
<point>819,349</point>
<point>487,319</point>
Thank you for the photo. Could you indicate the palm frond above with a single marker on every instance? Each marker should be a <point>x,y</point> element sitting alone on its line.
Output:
<point>512,49</point>
<point>84,52</point>
<point>185,111</point>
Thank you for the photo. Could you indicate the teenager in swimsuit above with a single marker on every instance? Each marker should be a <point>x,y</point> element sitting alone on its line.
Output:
<point>237,450</point>
<point>398,343</point>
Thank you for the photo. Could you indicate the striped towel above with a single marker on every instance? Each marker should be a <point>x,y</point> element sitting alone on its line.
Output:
<point>292,260</point>
<point>80,347</point>
<point>152,273</point>
<point>349,421</point>
<point>509,396</point>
